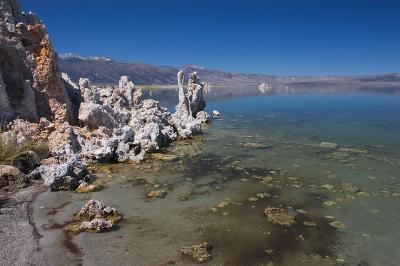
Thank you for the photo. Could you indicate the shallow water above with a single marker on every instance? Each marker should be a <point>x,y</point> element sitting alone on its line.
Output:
<point>262,144</point>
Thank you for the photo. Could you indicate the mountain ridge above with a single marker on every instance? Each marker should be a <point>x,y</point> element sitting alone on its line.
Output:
<point>101,69</point>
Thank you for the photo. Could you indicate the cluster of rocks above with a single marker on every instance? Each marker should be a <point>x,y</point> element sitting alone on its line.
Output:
<point>94,216</point>
<point>81,123</point>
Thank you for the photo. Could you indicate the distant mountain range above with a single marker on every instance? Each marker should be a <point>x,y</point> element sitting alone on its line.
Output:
<point>106,70</point>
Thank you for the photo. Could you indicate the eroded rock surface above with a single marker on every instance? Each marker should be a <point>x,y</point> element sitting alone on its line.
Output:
<point>30,84</point>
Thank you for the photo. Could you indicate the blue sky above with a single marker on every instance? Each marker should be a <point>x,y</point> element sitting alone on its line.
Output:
<point>308,37</point>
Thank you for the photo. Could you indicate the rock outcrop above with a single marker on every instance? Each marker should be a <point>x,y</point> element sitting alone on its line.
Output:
<point>30,84</point>
<point>116,124</point>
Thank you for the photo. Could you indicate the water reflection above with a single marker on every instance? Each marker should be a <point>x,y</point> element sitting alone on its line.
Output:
<point>169,96</point>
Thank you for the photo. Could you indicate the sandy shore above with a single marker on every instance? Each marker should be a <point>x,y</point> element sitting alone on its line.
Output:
<point>19,237</point>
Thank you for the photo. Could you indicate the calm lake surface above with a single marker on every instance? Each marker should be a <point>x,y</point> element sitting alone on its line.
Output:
<point>268,144</point>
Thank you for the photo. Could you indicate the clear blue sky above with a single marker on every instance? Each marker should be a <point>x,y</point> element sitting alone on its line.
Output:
<point>277,37</point>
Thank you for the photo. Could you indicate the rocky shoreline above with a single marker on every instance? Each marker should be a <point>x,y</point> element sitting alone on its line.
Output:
<point>81,123</point>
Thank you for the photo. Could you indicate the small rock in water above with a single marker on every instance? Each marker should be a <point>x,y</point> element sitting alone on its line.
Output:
<point>330,203</point>
<point>252,199</point>
<point>279,216</point>
<point>253,145</point>
<point>337,225</point>
<point>307,223</point>
<point>216,114</point>
<point>223,204</point>
<point>94,216</point>
<point>302,211</point>
<point>328,145</point>
<point>267,179</point>
<point>157,194</point>
<point>263,195</point>
<point>200,252</point>
<point>163,157</point>
<point>349,187</point>
<point>269,251</point>
<point>328,186</point>
<point>373,211</point>
<point>85,187</point>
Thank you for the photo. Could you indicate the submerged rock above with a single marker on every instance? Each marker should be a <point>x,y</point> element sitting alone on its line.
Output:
<point>157,194</point>
<point>337,225</point>
<point>94,216</point>
<point>328,145</point>
<point>349,187</point>
<point>253,145</point>
<point>200,252</point>
<point>279,216</point>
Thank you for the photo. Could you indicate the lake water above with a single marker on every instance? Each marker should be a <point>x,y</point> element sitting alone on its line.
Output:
<point>267,144</point>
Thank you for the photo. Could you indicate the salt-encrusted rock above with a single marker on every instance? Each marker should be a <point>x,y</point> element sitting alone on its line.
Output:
<point>94,216</point>
<point>30,84</point>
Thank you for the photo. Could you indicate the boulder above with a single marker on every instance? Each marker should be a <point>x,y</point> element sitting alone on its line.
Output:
<point>11,178</point>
